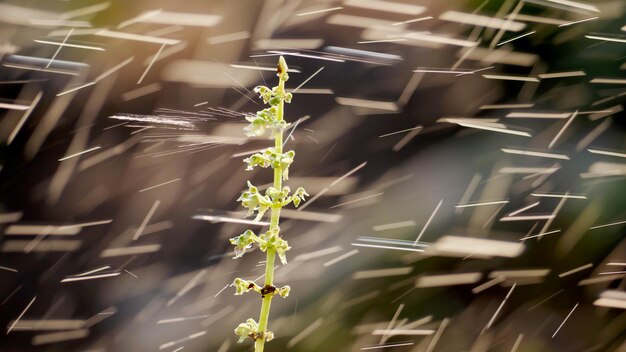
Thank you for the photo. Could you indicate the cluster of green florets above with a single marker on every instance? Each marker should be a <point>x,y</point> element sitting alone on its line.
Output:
<point>269,119</point>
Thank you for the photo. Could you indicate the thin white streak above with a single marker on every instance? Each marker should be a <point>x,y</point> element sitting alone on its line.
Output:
<point>605,225</point>
<point>579,21</point>
<point>540,235</point>
<point>567,317</point>
<point>537,154</point>
<point>427,223</point>
<point>493,318</point>
<point>556,138</point>
<point>306,80</point>
<point>603,152</point>
<point>550,195</point>
<point>341,257</point>
<point>79,153</point>
<point>154,59</point>
<point>387,247</point>
<point>59,48</point>
<point>575,270</point>
<point>512,78</point>
<point>231,220</point>
<point>438,334</point>
<point>515,38</point>
<point>159,185</point>
<point>319,11</point>
<point>512,214</point>
<point>21,315</point>
<point>81,278</point>
<point>146,220</point>
<point>481,204</point>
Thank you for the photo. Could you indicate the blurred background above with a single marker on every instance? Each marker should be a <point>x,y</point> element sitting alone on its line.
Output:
<point>465,161</point>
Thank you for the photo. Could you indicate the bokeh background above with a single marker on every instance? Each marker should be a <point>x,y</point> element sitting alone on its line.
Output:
<point>153,128</point>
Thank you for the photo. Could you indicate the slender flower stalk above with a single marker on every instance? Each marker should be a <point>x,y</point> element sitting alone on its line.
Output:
<point>275,198</point>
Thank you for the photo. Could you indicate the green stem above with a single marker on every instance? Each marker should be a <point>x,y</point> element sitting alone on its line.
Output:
<point>275,219</point>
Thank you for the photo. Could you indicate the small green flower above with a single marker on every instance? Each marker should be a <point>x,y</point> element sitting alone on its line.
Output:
<point>249,328</point>
<point>243,242</point>
<point>284,291</point>
<point>255,201</point>
<point>242,286</point>
<point>298,196</point>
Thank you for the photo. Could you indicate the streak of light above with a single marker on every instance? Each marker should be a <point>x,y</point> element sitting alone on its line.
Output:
<point>317,57</point>
<point>317,254</point>
<point>501,56</point>
<point>314,91</point>
<point>595,133</point>
<point>528,170</point>
<point>24,117</point>
<point>215,219</point>
<point>13,106</point>
<point>84,11</point>
<point>386,336</point>
<point>575,270</point>
<point>323,191</point>
<point>136,37</point>
<point>395,225</point>
<point>471,188</point>
<point>370,274</point>
<point>413,20</point>
<point>545,300</point>
<point>10,217</point>
<point>512,78</point>
<point>310,216</point>
<point>369,104</point>
<point>601,279</point>
<point>534,153</point>
<point>177,18</point>
<point>562,74</point>
<point>541,234</point>
<point>79,153</point>
<point>383,41</point>
<point>579,21</point>
<point>539,19</point>
<point>448,280</point>
<point>506,106</point>
<point>159,185</point>
<point>146,220</point>
<point>131,274</point>
<point>37,68</point>
<point>488,284</point>
<point>79,46</point>
<point>481,126</point>
<point>113,69</point>
<point>88,84</point>
<point>308,79</point>
<point>427,223</point>
<point>184,339</point>
<point>377,347</point>
<point>188,286</point>
<point>341,257</point>
<point>509,21</point>
<point>229,37</point>
<point>609,80</point>
<point>21,315</point>
<point>481,204</point>
<point>507,274</point>
<point>438,334</point>
<point>604,152</point>
<point>555,139</point>
<point>401,131</point>
<point>86,224</point>
<point>93,270</point>
<point>606,225</point>
<point>440,39</point>
<point>49,324</point>
<point>407,138</point>
<point>61,336</point>
<point>610,303</point>
<point>551,195</point>
<point>495,315</point>
<point>357,200</point>
<point>612,272</point>
<point>35,230</point>
<point>92,277</point>
<point>410,88</point>
<point>616,264</point>
<point>455,245</point>
<point>154,59</point>
<point>319,11</point>
<point>304,333</point>
<point>514,213</point>
<point>563,323</point>
<point>59,23</point>
<point>387,6</point>
<point>134,250</point>
<point>141,91</point>
<point>433,70</point>
<point>178,320</point>
<point>574,4</point>
<point>8,269</point>
<point>482,21</point>
<point>515,38</point>
<point>59,48</point>
<point>407,332</point>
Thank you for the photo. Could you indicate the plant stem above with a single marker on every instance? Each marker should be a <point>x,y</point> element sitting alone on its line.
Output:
<point>275,219</point>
